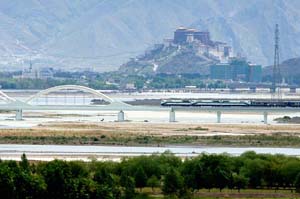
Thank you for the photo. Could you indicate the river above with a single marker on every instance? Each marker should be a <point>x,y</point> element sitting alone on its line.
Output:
<point>116,153</point>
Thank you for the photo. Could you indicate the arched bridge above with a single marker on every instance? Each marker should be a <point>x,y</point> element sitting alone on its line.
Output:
<point>65,97</point>
<point>68,97</point>
<point>65,88</point>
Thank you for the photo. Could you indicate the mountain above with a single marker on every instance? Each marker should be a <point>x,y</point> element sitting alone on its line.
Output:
<point>103,34</point>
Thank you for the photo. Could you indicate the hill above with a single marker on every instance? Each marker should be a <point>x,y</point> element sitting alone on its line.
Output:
<point>289,69</point>
<point>169,61</point>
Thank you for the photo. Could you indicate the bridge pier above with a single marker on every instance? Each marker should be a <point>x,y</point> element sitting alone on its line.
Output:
<point>19,114</point>
<point>121,116</point>
<point>172,115</point>
<point>265,117</point>
<point>219,113</point>
<point>293,89</point>
<point>252,89</point>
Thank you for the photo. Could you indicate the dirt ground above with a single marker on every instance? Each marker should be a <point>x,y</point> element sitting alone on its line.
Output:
<point>155,129</point>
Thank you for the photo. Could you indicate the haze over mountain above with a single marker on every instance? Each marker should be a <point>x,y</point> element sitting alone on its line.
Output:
<point>103,34</point>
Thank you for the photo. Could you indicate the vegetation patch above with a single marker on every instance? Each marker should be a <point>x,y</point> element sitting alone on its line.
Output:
<point>288,119</point>
<point>261,140</point>
<point>250,175</point>
<point>198,128</point>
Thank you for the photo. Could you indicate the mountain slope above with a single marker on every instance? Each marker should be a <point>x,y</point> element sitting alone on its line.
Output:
<point>103,34</point>
<point>169,60</point>
<point>289,69</point>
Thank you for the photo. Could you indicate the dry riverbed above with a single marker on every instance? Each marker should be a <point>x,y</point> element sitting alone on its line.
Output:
<point>154,134</point>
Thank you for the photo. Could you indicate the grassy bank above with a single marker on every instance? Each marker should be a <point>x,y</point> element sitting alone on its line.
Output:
<point>90,135</point>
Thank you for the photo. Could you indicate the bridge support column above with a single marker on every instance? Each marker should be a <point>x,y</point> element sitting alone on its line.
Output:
<point>172,115</point>
<point>219,113</point>
<point>121,116</point>
<point>293,89</point>
<point>252,89</point>
<point>19,114</point>
<point>265,117</point>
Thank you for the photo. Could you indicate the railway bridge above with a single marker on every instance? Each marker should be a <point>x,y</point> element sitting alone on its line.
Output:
<point>74,97</point>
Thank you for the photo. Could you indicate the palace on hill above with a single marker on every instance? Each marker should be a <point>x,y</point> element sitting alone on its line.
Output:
<point>201,41</point>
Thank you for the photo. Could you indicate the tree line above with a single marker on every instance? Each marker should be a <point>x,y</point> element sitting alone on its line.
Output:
<point>26,83</point>
<point>176,178</point>
<point>100,81</point>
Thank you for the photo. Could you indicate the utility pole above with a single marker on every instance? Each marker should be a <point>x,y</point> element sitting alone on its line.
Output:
<point>276,69</point>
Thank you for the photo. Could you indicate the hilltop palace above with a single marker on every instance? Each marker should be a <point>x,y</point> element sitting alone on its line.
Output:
<point>202,42</point>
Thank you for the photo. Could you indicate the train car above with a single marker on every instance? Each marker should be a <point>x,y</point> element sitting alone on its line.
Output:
<point>272,103</point>
<point>294,103</point>
<point>205,103</point>
<point>221,103</point>
<point>176,103</point>
<point>231,103</point>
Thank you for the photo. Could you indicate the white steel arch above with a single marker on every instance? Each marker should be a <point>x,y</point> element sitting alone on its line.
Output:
<point>6,98</point>
<point>71,87</point>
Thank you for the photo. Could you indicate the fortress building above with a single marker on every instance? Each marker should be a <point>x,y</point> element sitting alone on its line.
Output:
<point>202,42</point>
<point>183,35</point>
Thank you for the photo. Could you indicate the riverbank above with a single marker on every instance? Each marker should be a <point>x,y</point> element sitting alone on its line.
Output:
<point>154,134</point>
<point>88,153</point>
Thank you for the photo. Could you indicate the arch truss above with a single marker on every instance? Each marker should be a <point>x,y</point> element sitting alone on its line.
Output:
<point>70,95</point>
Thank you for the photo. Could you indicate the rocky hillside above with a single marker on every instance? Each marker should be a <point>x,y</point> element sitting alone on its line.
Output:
<point>104,34</point>
<point>169,60</point>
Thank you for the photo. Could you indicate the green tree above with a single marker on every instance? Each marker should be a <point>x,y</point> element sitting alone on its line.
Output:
<point>7,186</point>
<point>272,175</point>
<point>172,183</point>
<point>129,185</point>
<point>64,179</point>
<point>297,183</point>
<point>24,164</point>
<point>29,186</point>
<point>104,192</point>
<point>107,187</point>
<point>153,182</point>
<point>239,181</point>
<point>192,171</point>
<point>217,171</point>
<point>289,171</point>
<point>140,178</point>
<point>254,171</point>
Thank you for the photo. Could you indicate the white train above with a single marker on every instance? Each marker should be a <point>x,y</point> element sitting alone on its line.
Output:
<point>231,103</point>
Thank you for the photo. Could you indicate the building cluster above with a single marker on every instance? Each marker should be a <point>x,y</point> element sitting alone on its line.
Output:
<point>35,73</point>
<point>201,42</point>
<point>229,67</point>
<point>237,69</point>
<point>43,73</point>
